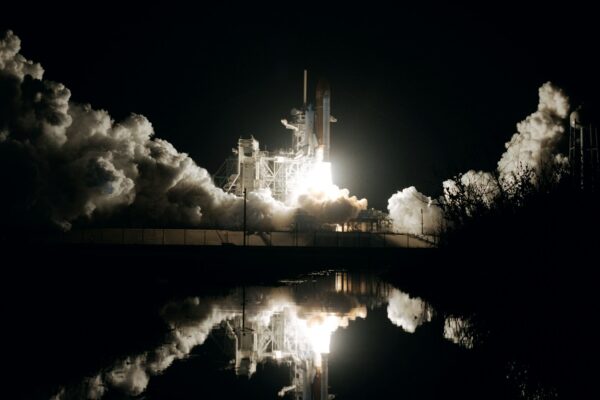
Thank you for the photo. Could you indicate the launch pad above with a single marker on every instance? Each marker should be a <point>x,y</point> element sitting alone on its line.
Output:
<point>284,172</point>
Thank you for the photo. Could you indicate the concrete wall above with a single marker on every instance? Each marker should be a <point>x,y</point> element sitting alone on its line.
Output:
<point>214,237</point>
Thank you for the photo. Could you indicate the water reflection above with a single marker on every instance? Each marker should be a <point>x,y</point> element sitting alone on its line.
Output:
<point>291,324</point>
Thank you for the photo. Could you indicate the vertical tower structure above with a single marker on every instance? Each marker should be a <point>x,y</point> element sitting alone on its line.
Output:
<point>583,152</point>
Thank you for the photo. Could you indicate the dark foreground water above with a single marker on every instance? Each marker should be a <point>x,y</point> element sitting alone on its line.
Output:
<point>110,325</point>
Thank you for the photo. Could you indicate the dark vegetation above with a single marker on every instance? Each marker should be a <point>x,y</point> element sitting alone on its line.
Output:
<point>520,257</point>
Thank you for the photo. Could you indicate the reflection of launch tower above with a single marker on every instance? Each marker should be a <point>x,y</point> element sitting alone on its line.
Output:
<point>250,341</point>
<point>583,152</point>
<point>254,343</point>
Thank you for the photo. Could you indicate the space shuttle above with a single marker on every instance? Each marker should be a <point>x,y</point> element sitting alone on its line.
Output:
<point>312,127</point>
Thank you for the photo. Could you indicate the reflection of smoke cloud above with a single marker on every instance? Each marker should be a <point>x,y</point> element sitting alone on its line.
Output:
<point>406,312</point>
<point>90,389</point>
<point>67,162</point>
<point>308,328</point>
<point>129,375</point>
<point>284,390</point>
<point>459,331</point>
<point>190,321</point>
<point>305,315</point>
<point>405,209</point>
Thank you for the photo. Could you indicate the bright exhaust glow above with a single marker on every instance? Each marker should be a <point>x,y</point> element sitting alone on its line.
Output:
<point>318,183</point>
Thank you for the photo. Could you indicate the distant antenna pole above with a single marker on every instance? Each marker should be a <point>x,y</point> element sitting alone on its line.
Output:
<point>244,216</point>
<point>244,310</point>
<point>305,83</point>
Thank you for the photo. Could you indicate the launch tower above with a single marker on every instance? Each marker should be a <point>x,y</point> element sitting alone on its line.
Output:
<point>253,169</point>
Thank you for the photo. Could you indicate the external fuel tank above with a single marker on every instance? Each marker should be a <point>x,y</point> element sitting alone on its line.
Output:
<point>323,111</point>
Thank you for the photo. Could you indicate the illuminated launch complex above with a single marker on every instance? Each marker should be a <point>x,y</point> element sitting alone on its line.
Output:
<point>285,172</point>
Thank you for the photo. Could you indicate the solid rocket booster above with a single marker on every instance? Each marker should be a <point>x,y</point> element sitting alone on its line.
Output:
<point>323,111</point>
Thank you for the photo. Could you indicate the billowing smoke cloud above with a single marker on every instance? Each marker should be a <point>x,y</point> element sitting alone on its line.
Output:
<point>67,162</point>
<point>531,149</point>
<point>406,312</point>
<point>13,63</point>
<point>337,208</point>
<point>413,212</point>
<point>534,144</point>
<point>477,188</point>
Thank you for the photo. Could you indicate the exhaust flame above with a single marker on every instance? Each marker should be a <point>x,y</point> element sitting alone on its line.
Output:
<point>317,181</point>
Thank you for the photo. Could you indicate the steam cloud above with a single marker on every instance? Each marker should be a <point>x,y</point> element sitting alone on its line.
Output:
<point>409,208</point>
<point>67,162</point>
<point>534,144</point>
<point>336,208</point>
<point>532,148</point>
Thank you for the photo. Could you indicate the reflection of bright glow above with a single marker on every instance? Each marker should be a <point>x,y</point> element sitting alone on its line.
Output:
<point>317,328</point>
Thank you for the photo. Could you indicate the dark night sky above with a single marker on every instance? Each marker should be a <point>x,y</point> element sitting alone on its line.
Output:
<point>420,93</point>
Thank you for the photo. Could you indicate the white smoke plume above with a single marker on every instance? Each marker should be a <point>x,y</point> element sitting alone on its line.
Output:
<point>534,144</point>
<point>478,188</point>
<point>13,63</point>
<point>532,148</point>
<point>406,312</point>
<point>336,208</point>
<point>67,162</point>
<point>405,208</point>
